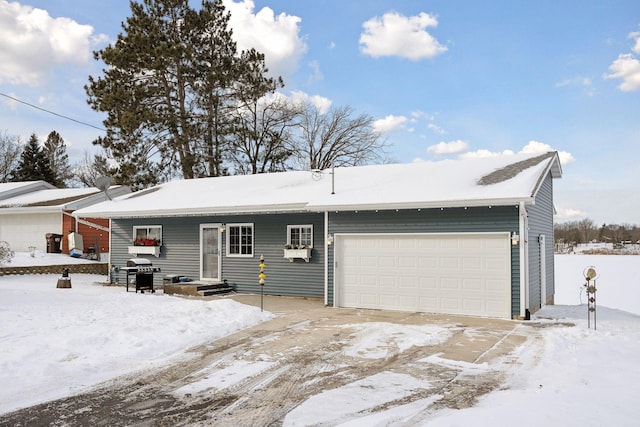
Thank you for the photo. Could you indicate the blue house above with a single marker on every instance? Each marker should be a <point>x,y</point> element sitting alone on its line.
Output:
<point>470,236</point>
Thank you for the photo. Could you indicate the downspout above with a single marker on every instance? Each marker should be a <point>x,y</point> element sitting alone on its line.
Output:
<point>326,258</point>
<point>524,263</point>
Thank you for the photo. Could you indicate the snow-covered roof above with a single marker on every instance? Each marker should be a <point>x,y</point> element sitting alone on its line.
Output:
<point>495,181</point>
<point>57,199</point>
<point>13,189</point>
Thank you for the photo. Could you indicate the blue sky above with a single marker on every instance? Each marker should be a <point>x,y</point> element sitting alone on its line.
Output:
<point>442,78</point>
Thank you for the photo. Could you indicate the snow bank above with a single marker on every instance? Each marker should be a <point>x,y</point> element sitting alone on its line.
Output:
<point>57,342</point>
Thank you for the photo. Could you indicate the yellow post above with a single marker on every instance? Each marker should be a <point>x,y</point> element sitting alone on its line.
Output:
<point>261,277</point>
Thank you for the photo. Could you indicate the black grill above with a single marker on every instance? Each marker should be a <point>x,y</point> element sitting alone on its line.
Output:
<point>142,271</point>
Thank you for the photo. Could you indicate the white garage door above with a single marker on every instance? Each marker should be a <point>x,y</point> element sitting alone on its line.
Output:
<point>466,274</point>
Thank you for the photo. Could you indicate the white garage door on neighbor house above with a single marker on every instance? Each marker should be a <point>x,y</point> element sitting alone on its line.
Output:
<point>468,274</point>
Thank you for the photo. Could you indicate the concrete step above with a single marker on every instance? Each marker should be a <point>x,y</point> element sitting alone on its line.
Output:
<point>215,291</point>
<point>210,286</point>
<point>197,288</point>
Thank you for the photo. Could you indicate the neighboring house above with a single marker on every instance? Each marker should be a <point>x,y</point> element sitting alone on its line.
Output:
<point>469,236</point>
<point>31,210</point>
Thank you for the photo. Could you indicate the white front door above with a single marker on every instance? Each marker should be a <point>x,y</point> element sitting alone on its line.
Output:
<point>210,245</point>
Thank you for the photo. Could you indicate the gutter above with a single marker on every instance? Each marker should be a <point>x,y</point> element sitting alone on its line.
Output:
<point>524,263</point>
<point>31,209</point>
<point>202,211</point>
<point>424,205</point>
<point>301,207</point>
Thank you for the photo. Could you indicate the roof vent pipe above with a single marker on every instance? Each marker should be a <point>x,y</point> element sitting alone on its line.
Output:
<point>333,179</point>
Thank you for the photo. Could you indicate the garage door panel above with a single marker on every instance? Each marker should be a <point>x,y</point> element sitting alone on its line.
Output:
<point>495,285</point>
<point>449,284</point>
<point>447,243</point>
<point>472,263</point>
<point>497,264</point>
<point>407,283</point>
<point>427,244</point>
<point>473,306</point>
<point>407,262</point>
<point>457,274</point>
<point>368,261</point>
<point>428,283</point>
<point>471,244</point>
<point>450,304</point>
<point>387,284</point>
<point>449,262</point>
<point>428,262</point>
<point>471,285</point>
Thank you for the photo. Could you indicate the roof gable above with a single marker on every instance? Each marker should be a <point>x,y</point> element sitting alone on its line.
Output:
<point>59,198</point>
<point>13,189</point>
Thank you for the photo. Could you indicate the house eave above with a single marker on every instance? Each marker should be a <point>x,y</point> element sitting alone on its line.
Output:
<point>423,205</point>
<point>201,211</point>
<point>31,210</point>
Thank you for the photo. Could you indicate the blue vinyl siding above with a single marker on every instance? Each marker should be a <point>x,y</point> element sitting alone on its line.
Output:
<point>451,220</point>
<point>180,253</point>
<point>540,217</point>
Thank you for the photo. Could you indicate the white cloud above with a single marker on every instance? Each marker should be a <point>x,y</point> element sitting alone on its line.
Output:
<point>435,128</point>
<point>540,147</point>
<point>275,36</point>
<point>398,35</point>
<point>316,74</point>
<point>32,42</point>
<point>320,102</point>
<point>532,147</point>
<point>636,38</point>
<point>568,213</point>
<point>627,68</point>
<point>575,81</point>
<point>451,147</point>
<point>389,124</point>
<point>485,153</point>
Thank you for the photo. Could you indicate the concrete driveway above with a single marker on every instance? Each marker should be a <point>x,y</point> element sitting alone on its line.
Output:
<point>273,368</point>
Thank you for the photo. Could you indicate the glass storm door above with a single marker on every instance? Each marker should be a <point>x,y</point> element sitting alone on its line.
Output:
<point>210,251</point>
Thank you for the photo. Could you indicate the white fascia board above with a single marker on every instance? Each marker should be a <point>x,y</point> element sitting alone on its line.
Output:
<point>221,210</point>
<point>31,210</point>
<point>422,205</point>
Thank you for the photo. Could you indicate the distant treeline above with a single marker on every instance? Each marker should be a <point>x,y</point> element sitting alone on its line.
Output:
<point>586,230</point>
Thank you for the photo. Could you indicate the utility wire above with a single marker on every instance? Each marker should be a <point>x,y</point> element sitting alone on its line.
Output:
<point>51,112</point>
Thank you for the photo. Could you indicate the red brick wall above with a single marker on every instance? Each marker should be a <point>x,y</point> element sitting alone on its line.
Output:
<point>91,236</point>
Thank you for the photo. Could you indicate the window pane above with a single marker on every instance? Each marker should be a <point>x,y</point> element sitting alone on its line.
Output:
<point>295,236</point>
<point>305,238</point>
<point>234,240</point>
<point>240,240</point>
<point>154,233</point>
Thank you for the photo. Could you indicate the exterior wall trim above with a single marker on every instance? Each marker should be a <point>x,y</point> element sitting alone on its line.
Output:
<point>524,262</point>
<point>326,258</point>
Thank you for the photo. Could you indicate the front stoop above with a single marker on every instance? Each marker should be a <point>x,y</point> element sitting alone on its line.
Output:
<point>197,288</point>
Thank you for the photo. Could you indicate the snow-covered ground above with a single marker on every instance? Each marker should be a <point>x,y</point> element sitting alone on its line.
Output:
<point>37,257</point>
<point>57,342</point>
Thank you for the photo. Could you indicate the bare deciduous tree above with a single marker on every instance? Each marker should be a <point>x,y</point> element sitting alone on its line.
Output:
<point>10,150</point>
<point>337,137</point>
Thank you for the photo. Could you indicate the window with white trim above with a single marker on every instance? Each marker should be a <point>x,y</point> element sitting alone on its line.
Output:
<point>240,240</point>
<point>300,236</point>
<point>147,235</point>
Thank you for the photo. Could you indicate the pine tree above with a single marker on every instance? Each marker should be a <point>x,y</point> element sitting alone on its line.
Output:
<point>34,164</point>
<point>171,89</point>
<point>56,151</point>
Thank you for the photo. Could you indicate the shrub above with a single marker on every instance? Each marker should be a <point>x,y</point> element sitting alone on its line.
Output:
<point>6,254</point>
